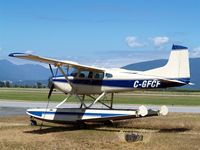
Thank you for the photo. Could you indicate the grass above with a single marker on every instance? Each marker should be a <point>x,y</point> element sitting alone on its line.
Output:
<point>28,94</point>
<point>159,100</point>
<point>137,97</point>
<point>175,131</point>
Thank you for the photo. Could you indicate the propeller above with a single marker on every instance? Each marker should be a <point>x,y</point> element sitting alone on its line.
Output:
<point>51,84</point>
<point>51,70</point>
<point>51,90</point>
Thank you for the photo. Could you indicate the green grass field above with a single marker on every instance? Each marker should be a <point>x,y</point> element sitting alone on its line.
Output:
<point>137,97</point>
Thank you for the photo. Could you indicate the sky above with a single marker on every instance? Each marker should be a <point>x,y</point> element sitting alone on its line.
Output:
<point>103,33</point>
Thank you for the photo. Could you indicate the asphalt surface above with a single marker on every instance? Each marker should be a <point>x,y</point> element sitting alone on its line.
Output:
<point>11,111</point>
<point>14,107</point>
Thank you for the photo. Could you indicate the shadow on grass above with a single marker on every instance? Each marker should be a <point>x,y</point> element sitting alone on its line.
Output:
<point>174,130</point>
<point>115,127</point>
<point>51,129</point>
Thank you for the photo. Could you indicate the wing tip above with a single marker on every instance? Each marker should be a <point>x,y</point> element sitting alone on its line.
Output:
<point>17,54</point>
<point>11,55</point>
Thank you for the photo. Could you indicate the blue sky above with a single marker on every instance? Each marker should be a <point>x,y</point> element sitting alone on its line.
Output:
<point>102,33</point>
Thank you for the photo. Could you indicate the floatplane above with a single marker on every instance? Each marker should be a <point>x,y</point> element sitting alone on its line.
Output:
<point>96,83</point>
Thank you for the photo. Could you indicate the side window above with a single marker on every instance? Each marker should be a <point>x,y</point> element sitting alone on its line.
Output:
<point>83,74</point>
<point>99,75</point>
<point>109,75</point>
<point>90,75</point>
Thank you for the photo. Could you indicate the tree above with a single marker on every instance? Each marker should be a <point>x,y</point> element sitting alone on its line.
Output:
<point>7,84</point>
<point>2,84</point>
<point>39,85</point>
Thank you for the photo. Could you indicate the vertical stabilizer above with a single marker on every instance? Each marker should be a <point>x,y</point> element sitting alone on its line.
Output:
<point>177,66</point>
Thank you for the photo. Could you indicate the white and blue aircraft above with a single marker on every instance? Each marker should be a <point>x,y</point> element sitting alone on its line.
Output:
<point>80,80</point>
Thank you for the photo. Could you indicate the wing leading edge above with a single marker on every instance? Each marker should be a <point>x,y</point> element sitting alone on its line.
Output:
<point>54,62</point>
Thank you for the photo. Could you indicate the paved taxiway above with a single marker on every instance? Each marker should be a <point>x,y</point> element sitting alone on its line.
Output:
<point>14,107</point>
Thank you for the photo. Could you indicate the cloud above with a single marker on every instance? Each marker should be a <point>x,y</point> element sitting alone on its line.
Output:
<point>196,52</point>
<point>132,42</point>
<point>160,40</point>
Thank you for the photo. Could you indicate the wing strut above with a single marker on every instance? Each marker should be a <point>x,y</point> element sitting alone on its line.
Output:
<point>63,73</point>
<point>111,101</point>
<point>64,100</point>
<point>81,100</point>
<point>98,98</point>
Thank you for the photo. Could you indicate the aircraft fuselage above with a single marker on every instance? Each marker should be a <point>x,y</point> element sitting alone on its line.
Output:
<point>116,82</point>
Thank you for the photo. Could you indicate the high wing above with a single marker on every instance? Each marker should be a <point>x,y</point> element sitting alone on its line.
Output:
<point>55,62</point>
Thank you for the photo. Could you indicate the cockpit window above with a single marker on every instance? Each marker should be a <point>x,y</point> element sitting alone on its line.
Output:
<point>73,72</point>
<point>109,75</point>
<point>84,74</point>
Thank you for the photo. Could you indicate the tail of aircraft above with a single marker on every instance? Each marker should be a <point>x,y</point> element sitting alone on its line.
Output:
<point>177,66</point>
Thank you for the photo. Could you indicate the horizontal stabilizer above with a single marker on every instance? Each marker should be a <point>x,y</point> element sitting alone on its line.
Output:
<point>176,81</point>
<point>191,83</point>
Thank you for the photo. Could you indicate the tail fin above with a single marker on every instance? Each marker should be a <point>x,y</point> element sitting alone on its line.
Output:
<point>177,66</point>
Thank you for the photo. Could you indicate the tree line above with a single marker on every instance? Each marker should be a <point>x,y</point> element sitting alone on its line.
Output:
<point>9,84</point>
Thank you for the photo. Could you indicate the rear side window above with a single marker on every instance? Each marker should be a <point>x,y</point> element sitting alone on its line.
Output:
<point>99,75</point>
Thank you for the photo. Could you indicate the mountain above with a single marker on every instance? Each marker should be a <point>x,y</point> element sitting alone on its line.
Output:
<point>194,69</point>
<point>27,72</point>
<point>31,73</point>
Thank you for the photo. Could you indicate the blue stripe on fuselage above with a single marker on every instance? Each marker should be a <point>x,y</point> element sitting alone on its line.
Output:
<point>115,83</point>
<point>145,83</point>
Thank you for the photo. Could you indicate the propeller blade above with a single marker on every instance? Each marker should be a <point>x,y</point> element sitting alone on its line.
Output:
<point>51,70</point>
<point>51,90</point>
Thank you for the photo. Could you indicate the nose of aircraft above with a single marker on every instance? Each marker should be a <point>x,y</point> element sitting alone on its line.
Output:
<point>61,84</point>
